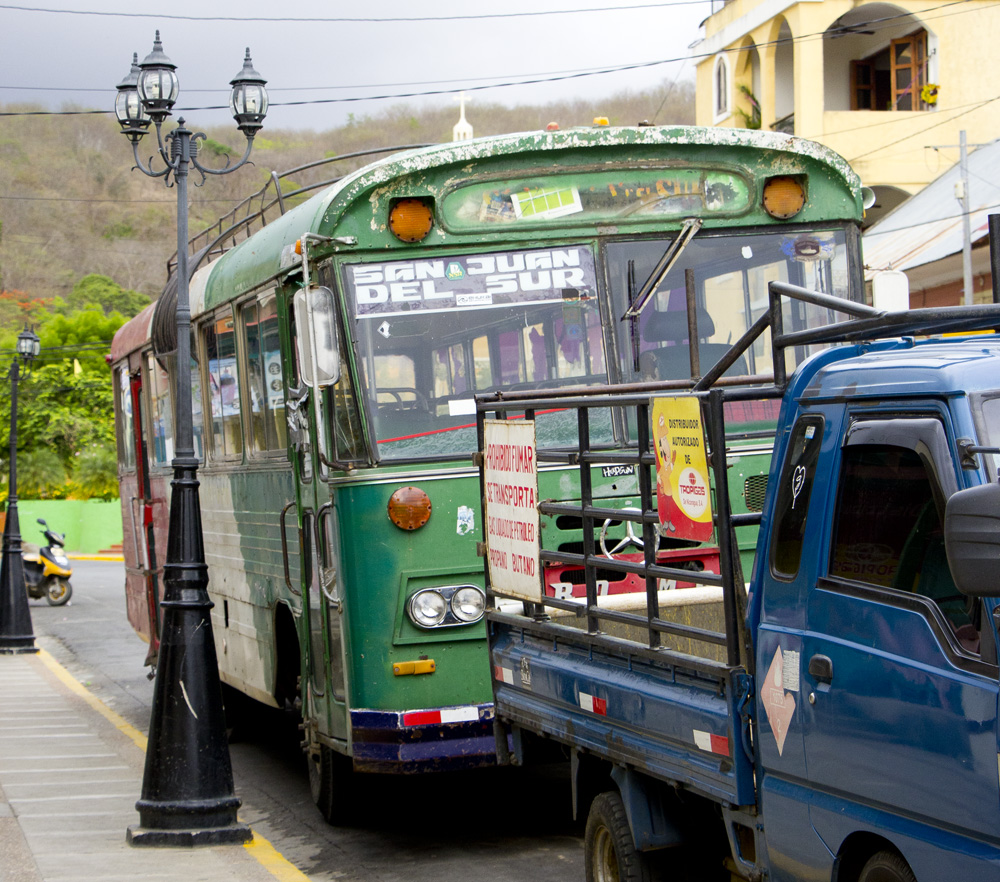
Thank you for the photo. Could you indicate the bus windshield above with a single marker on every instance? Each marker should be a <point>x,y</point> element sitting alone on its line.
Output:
<point>729,274</point>
<point>433,333</point>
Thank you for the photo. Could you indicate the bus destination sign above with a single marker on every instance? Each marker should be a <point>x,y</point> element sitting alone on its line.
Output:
<point>474,281</point>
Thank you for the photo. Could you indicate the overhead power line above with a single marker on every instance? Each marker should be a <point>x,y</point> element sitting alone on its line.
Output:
<point>356,20</point>
<point>532,81</point>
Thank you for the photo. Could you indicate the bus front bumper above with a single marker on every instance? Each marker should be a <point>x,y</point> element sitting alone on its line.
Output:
<point>427,740</point>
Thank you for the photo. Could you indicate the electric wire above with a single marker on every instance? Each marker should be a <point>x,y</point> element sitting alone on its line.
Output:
<point>536,80</point>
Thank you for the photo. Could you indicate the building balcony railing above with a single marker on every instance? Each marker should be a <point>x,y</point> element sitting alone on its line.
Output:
<point>786,125</point>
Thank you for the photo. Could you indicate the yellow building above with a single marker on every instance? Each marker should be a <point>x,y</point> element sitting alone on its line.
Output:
<point>888,86</point>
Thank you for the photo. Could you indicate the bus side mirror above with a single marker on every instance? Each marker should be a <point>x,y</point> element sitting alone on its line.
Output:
<point>315,307</point>
<point>972,539</point>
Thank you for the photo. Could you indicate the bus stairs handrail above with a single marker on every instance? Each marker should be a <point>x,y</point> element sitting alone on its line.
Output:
<point>284,548</point>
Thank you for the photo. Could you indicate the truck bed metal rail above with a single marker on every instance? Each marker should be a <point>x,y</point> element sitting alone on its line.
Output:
<point>587,621</point>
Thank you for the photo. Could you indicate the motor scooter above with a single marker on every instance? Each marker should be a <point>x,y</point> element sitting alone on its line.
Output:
<point>47,571</point>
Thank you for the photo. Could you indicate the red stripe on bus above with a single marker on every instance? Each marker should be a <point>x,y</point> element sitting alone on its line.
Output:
<point>421,718</point>
<point>450,429</point>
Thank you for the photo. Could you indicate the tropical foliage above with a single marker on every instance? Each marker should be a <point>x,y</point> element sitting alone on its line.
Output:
<point>65,422</point>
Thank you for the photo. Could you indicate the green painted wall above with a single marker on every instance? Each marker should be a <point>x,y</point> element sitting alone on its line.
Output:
<point>90,525</point>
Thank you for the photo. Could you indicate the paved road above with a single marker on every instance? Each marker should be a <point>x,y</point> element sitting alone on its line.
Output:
<point>503,824</point>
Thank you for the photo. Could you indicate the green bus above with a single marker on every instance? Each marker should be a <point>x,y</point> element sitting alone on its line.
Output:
<point>337,353</point>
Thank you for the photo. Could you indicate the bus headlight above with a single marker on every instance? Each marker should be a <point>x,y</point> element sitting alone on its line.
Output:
<point>446,606</point>
<point>428,608</point>
<point>468,604</point>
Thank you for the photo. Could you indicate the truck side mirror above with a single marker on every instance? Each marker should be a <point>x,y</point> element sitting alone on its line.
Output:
<point>972,539</point>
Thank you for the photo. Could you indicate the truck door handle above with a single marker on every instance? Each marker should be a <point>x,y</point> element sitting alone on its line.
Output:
<point>821,668</point>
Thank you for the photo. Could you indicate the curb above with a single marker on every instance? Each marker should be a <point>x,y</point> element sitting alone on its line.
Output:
<point>84,556</point>
<point>259,848</point>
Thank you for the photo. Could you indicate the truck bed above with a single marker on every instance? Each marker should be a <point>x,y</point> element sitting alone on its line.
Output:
<point>670,721</point>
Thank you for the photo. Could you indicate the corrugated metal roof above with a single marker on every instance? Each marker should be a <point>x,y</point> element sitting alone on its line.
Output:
<point>928,226</point>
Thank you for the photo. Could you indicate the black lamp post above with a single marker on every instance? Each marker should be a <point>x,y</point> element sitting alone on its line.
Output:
<point>16,633</point>
<point>187,789</point>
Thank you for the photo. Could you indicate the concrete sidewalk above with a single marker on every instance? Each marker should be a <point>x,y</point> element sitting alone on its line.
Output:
<point>70,774</point>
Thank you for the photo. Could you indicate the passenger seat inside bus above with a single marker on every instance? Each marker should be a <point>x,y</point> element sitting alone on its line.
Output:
<point>673,361</point>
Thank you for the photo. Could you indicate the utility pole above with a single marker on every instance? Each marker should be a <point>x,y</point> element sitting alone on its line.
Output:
<point>963,198</point>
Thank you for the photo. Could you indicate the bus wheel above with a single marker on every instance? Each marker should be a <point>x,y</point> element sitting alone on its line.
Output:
<point>236,710</point>
<point>886,866</point>
<point>609,853</point>
<point>331,783</point>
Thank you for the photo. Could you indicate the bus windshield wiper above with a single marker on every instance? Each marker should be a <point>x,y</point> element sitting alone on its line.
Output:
<point>666,263</point>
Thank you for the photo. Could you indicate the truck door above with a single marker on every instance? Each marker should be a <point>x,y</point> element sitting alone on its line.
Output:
<point>786,561</point>
<point>898,670</point>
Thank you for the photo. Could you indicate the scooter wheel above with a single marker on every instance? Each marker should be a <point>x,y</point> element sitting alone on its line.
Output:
<point>58,592</point>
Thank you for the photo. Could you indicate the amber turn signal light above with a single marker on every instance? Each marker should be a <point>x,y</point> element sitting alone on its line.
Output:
<point>409,508</point>
<point>410,220</point>
<point>783,197</point>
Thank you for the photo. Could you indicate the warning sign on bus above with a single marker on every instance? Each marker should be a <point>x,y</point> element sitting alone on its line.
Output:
<point>683,492</point>
<point>511,479</point>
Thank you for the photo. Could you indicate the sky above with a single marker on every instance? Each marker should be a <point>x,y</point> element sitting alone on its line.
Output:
<point>60,52</point>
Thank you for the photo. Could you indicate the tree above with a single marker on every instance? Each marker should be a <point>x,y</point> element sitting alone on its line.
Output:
<point>95,473</point>
<point>100,292</point>
<point>65,404</point>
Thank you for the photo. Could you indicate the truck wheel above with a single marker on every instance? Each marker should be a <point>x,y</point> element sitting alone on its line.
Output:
<point>886,866</point>
<point>332,785</point>
<point>58,591</point>
<point>609,853</point>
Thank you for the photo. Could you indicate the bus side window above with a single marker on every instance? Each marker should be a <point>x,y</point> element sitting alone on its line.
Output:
<point>223,386</point>
<point>267,394</point>
<point>450,374</point>
<point>126,435</point>
<point>482,368</point>
<point>345,421</point>
<point>162,413</point>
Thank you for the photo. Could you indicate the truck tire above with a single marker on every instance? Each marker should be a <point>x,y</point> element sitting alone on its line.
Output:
<point>886,866</point>
<point>609,853</point>
<point>332,785</point>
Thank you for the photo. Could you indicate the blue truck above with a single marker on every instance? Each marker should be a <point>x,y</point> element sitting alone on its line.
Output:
<point>831,717</point>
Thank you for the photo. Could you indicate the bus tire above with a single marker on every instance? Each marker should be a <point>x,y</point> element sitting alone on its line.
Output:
<point>236,709</point>
<point>331,784</point>
<point>609,852</point>
<point>886,866</point>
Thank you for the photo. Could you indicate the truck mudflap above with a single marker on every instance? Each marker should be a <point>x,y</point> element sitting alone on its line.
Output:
<point>671,724</point>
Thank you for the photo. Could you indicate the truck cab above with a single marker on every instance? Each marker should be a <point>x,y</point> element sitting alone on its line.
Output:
<point>832,713</point>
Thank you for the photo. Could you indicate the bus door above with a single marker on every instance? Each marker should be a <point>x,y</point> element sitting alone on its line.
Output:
<point>141,575</point>
<point>324,693</point>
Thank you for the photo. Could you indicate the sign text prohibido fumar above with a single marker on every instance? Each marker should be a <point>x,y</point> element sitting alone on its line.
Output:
<point>511,479</point>
<point>683,493</point>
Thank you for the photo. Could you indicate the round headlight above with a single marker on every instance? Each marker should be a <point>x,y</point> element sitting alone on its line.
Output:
<point>428,609</point>
<point>467,604</point>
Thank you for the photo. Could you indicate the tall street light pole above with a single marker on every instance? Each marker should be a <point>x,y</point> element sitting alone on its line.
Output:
<point>187,789</point>
<point>16,633</point>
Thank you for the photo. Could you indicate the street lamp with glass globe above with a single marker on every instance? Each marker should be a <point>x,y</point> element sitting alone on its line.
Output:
<point>187,791</point>
<point>16,632</point>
